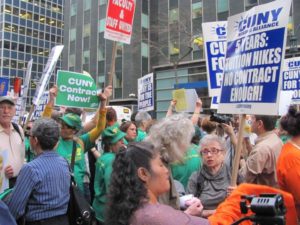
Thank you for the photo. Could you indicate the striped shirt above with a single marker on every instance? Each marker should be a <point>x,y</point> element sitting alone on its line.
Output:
<point>42,188</point>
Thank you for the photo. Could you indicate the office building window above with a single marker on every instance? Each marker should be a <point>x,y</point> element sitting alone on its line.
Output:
<point>250,3</point>
<point>145,21</point>
<point>222,9</point>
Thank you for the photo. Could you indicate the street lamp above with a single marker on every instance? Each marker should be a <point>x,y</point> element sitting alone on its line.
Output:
<point>175,63</point>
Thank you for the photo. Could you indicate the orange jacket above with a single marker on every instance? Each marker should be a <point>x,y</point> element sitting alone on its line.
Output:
<point>229,211</point>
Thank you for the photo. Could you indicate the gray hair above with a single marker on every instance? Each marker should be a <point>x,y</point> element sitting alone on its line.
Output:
<point>47,132</point>
<point>207,139</point>
<point>170,135</point>
<point>142,116</point>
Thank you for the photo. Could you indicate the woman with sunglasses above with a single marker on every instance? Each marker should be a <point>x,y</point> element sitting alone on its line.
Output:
<point>212,183</point>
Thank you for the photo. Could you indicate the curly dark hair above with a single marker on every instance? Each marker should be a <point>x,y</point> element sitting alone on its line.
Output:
<point>127,191</point>
<point>291,122</point>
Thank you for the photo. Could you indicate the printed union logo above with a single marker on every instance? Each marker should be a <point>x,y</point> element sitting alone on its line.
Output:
<point>220,30</point>
<point>258,21</point>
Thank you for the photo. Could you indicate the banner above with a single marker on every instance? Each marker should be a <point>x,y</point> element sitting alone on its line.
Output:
<point>215,34</point>
<point>25,88</point>
<point>185,99</point>
<point>76,90</point>
<point>119,20</point>
<point>51,63</point>
<point>256,42</point>
<point>37,113</point>
<point>4,85</point>
<point>291,77</point>
<point>146,93</point>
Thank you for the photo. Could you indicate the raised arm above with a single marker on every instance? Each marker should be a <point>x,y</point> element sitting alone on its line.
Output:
<point>171,107</point>
<point>49,107</point>
<point>94,133</point>
<point>197,110</point>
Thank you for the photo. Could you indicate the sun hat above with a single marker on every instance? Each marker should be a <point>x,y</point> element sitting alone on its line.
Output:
<point>72,120</point>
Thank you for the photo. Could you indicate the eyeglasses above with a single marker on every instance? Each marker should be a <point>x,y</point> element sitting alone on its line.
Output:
<point>212,151</point>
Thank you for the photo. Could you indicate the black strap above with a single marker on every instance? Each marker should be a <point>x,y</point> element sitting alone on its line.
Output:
<point>199,185</point>
<point>16,127</point>
<point>73,156</point>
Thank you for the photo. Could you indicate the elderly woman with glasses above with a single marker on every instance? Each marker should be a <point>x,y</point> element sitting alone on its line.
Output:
<point>212,183</point>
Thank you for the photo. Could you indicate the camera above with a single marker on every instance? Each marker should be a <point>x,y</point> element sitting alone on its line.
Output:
<point>268,209</point>
<point>220,118</point>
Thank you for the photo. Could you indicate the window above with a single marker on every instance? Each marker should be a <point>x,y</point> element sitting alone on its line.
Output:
<point>86,57</point>
<point>73,34</point>
<point>87,30</point>
<point>250,3</point>
<point>173,4</point>
<point>173,15</point>
<point>145,50</point>
<point>102,25</point>
<point>197,10</point>
<point>145,21</point>
<point>222,9</point>
<point>145,8</point>
<point>87,4</point>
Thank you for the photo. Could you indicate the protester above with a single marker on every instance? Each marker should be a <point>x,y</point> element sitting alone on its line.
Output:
<point>139,177</point>
<point>260,166</point>
<point>192,161</point>
<point>142,121</point>
<point>212,183</point>
<point>70,125</point>
<point>12,140</point>
<point>112,141</point>
<point>172,136</point>
<point>130,129</point>
<point>5,216</point>
<point>29,154</point>
<point>288,164</point>
<point>41,192</point>
<point>111,117</point>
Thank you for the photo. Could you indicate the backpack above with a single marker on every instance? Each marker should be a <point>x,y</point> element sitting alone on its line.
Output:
<point>17,128</point>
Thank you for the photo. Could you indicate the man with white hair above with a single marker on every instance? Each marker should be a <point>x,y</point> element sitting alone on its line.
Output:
<point>12,139</point>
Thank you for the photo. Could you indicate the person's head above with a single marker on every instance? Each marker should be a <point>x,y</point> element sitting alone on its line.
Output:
<point>208,126</point>
<point>28,128</point>
<point>129,128</point>
<point>7,110</point>
<point>197,136</point>
<point>212,150</point>
<point>112,139</point>
<point>138,176</point>
<point>111,116</point>
<point>142,119</point>
<point>132,117</point>
<point>70,125</point>
<point>172,135</point>
<point>291,122</point>
<point>44,134</point>
<point>262,123</point>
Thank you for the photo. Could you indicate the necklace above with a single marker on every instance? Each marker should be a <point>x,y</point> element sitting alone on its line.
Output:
<point>294,144</point>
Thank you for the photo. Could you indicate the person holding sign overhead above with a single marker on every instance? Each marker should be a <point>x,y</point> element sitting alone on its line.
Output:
<point>70,125</point>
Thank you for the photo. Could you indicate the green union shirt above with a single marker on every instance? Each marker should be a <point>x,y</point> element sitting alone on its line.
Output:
<point>101,183</point>
<point>192,162</point>
<point>65,148</point>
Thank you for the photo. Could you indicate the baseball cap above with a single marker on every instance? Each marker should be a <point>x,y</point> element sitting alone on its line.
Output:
<point>7,99</point>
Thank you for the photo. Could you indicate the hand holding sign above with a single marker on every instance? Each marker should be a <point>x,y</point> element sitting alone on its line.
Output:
<point>53,93</point>
<point>105,94</point>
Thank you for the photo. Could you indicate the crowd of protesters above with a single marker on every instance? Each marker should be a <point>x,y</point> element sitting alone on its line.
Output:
<point>176,170</point>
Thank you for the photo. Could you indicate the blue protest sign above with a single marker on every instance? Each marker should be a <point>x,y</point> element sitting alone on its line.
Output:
<point>215,34</point>
<point>146,93</point>
<point>291,77</point>
<point>255,51</point>
<point>4,83</point>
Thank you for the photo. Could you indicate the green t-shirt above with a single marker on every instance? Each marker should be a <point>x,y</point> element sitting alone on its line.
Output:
<point>65,148</point>
<point>192,162</point>
<point>101,183</point>
<point>141,135</point>
<point>28,151</point>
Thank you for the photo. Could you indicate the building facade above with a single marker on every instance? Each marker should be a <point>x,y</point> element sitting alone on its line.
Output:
<point>167,40</point>
<point>28,30</point>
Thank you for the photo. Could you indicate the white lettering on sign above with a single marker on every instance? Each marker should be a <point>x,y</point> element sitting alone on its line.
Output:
<point>125,4</point>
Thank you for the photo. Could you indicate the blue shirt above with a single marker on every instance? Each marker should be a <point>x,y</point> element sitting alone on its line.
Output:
<point>42,188</point>
<point>5,216</point>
